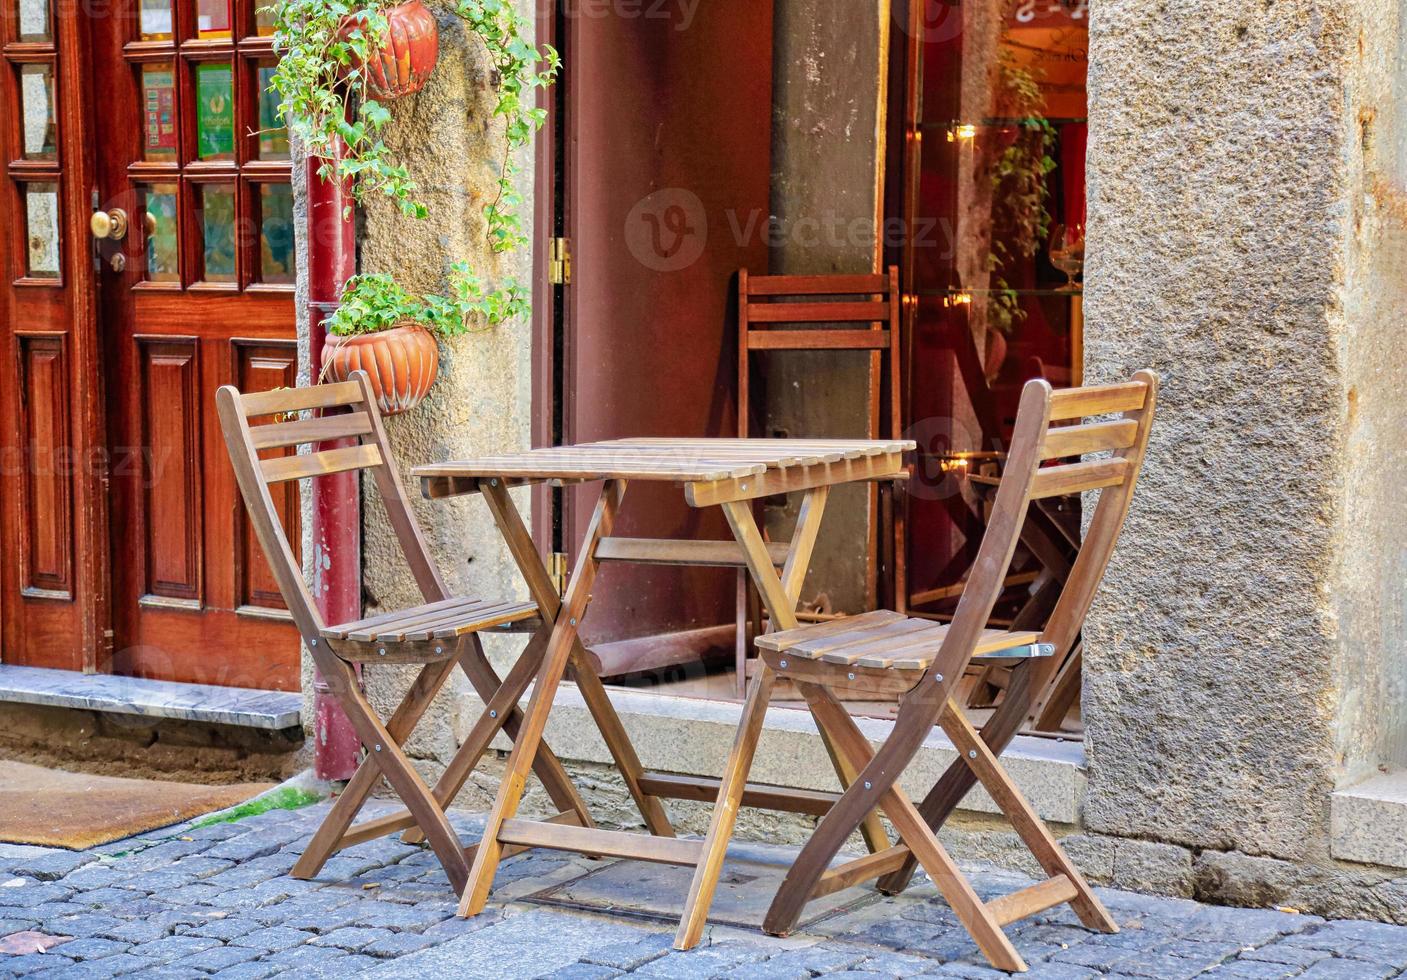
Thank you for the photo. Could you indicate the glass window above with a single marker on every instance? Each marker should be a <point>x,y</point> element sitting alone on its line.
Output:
<point>212,18</point>
<point>155,19</point>
<point>264,18</point>
<point>34,20</point>
<point>37,106</point>
<point>161,233</point>
<point>273,134</point>
<point>158,112</point>
<point>276,251</point>
<point>214,111</point>
<point>41,212</point>
<point>215,215</point>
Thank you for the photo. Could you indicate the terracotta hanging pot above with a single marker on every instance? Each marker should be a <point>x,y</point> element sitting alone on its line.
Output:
<point>402,62</point>
<point>402,363</point>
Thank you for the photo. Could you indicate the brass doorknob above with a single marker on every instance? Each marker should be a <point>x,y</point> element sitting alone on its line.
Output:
<point>109,224</point>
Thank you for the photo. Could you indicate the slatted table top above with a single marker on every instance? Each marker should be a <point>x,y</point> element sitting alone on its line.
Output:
<point>688,461</point>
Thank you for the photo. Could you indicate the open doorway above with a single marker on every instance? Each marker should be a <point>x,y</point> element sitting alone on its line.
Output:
<point>660,148</point>
<point>805,136</point>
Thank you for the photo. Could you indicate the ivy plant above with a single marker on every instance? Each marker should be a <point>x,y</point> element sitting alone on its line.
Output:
<point>1021,192</point>
<point>374,302</point>
<point>329,108</point>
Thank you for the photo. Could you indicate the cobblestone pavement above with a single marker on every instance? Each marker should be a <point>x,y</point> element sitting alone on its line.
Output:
<point>218,901</point>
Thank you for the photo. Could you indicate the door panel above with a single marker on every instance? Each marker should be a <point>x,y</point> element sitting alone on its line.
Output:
<point>53,553</point>
<point>169,406</point>
<point>46,504</point>
<point>204,297</point>
<point>260,366</point>
<point>668,126</point>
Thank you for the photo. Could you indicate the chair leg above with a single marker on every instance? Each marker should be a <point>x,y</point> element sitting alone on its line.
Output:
<point>940,801</point>
<point>1024,820</point>
<point>388,756</point>
<point>872,827</point>
<point>546,766</point>
<point>912,830</point>
<point>503,704</point>
<point>497,714</point>
<point>725,811</point>
<point>354,796</point>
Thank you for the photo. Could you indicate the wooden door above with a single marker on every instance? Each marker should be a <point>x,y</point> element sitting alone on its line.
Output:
<point>667,124</point>
<point>199,293</point>
<point>53,548</point>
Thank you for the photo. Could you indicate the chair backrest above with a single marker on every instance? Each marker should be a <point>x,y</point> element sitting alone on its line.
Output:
<point>782,313</point>
<point>275,421</point>
<point>1044,461</point>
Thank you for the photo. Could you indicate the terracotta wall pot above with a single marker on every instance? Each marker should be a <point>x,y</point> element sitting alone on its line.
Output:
<point>407,54</point>
<point>402,363</point>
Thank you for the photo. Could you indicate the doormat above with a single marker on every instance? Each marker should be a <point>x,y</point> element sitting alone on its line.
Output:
<point>55,808</point>
<point>751,876</point>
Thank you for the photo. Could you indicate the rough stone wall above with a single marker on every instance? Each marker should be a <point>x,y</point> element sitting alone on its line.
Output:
<point>453,146</point>
<point>1226,250</point>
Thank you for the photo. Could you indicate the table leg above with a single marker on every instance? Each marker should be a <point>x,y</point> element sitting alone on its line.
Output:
<point>793,578</point>
<point>780,594</point>
<point>549,678</point>
<point>593,692</point>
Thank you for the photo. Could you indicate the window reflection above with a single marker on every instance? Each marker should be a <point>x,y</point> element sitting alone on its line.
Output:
<point>158,112</point>
<point>161,232</point>
<point>41,211</point>
<point>37,109</point>
<point>276,252</point>
<point>34,20</point>
<point>273,134</point>
<point>215,111</point>
<point>215,209</point>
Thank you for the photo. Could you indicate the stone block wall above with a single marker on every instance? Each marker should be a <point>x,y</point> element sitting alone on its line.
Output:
<point>1242,660</point>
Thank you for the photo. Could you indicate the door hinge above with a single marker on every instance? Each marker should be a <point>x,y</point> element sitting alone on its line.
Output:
<point>560,266</point>
<point>559,572</point>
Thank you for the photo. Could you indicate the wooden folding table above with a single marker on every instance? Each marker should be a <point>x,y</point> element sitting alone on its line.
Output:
<point>727,473</point>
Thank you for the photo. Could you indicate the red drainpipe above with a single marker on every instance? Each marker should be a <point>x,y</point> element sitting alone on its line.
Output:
<point>336,531</point>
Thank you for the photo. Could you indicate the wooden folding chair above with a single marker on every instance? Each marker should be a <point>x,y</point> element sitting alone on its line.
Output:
<point>923,661</point>
<point>441,634</point>
<point>803,313</point>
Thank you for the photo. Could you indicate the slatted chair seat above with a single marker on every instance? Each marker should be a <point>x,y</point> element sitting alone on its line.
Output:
<point>885,640</point>
<point>437,621</point>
